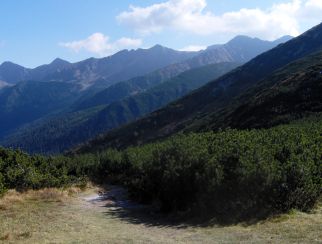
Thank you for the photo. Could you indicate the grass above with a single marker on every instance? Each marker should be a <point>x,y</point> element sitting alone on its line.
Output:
<point>61,216</point>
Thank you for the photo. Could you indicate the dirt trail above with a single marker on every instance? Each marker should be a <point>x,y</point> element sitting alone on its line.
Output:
<point>114,197</point>
<point>108,216</point>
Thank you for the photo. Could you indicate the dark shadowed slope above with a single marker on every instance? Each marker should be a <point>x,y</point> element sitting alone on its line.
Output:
<point>28,101</point>
<point>290,93</point>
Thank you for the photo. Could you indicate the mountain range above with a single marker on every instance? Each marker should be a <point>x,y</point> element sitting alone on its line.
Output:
<point>120,66</point>
<point>60,133</point>
<point>51,88</point>
<point>93,89</point>
<point>276,87</point>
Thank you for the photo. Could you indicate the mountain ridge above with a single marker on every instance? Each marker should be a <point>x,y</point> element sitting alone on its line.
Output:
<point>201,108</point>
<point>209,56</point>
<point>137,85</point>
<point>73,128</point>
<point>94,68</point>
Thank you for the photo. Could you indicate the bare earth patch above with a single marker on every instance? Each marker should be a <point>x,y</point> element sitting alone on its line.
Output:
<point>107,216</point>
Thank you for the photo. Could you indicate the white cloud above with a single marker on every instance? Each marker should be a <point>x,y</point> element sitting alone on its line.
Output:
<point>192,16</point>
<point>314,4</point>
<point>193,48</point>
<point>312,10</point>
<point>99,44</point>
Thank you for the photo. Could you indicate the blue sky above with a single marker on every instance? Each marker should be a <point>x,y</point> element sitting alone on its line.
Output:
<point>34,32</point>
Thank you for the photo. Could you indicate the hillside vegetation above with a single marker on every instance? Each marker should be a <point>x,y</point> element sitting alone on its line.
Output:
<point>230,174</point>
<point>21,171</point>
<point>293,87</point>
<point>290,93</point>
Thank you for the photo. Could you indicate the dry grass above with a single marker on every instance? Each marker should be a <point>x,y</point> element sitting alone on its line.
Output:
<point>13,197</point>
<point>57,216</point>
<point>20,212</point>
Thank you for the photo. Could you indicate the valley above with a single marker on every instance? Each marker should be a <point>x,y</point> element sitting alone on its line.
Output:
<point>52,123</point>
<point>217,139</point>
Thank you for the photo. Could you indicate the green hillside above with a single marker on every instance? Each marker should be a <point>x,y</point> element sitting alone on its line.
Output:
<point>289,94</point>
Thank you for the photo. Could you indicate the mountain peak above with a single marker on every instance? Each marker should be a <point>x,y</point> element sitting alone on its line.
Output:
<point>283,39</point>
<point>59,61</point>
<point>159,47</point>
<point>242,39</point>
<point>9,64</point>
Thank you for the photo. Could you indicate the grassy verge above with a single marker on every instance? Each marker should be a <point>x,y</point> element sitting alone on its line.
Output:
<point>22,214</point>
<point>62,216</point>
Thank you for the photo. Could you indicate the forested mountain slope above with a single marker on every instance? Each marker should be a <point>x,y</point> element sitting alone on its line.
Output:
<point>30,94</point>
<point>290,93</point>
<point>31,100</point>
<point>61,132</point>
<point>202,108</point>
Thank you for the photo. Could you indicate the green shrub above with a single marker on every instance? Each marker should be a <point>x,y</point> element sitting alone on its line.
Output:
<point>21,171</point>
<point>230,174</point>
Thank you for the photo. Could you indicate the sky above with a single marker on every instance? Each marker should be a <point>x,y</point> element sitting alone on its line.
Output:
<point>35,32</point>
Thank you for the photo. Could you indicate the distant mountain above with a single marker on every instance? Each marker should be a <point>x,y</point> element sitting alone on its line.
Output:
<point>243,48</point>
<point>13,73</point>
<point>239,50</point>
<point>127,64</point>
<point>97,73</point>
<point>283,39</point>
<point>202,109</point>
<point>31,100</point>
<point>102,72</point>
<point>42,72</point>
<point>62,132</point>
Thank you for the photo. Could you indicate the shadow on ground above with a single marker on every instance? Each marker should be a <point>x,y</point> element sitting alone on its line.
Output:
<point>115,203</point>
